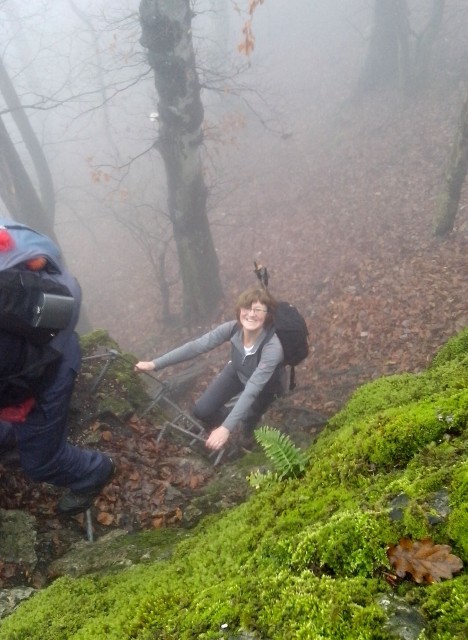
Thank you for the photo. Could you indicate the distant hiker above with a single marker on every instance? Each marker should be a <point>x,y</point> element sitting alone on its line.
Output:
<point>255,370</point>
<point>39,359</point>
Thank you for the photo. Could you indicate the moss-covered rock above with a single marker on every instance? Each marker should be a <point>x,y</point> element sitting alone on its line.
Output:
<point>107,384</point>
<point>305,559</point>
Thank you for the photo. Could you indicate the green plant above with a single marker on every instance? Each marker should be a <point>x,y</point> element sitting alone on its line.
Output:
<point>288,460</point>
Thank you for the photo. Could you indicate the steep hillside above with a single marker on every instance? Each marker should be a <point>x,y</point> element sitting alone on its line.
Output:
<point>308,558</point>
<point>340,210</point>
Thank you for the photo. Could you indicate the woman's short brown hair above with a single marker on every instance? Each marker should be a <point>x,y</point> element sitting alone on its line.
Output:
<point>256,294</point>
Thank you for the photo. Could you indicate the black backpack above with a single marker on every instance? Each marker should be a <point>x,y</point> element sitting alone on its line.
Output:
<point>291,329</point>
<point>32,310</point>
<point>32,306</point>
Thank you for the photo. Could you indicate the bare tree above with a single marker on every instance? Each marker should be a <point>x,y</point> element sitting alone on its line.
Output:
<point>16,189</point>
<point>397,54</point>
<point>425,42</point>
<point>166,34</point>
<point>33,146</point>
<point>389,38</point>
<point>449,200</point>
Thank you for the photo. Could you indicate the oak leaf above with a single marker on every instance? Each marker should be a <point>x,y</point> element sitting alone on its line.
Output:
<point>423,560</point>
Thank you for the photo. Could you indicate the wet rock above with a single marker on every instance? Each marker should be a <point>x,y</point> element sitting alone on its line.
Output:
<point>18,537</point>
<point>88,557</point>
<point>397,506</point>
<point>404,621</point>
<point>10,598</point>
<point>440,506</point>
<point>115,550</point>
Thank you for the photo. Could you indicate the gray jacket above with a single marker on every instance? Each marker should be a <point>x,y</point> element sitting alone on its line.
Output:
<point>254,376</point>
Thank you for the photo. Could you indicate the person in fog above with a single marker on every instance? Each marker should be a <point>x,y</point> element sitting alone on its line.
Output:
<point>34,424</point>
<point>255,373</point>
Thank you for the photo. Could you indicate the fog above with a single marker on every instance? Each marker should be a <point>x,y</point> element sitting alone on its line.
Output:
<point>274,122</point>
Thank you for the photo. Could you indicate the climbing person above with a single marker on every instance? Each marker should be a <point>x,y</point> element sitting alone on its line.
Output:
<point>39,360</point>
<point>254,375</point>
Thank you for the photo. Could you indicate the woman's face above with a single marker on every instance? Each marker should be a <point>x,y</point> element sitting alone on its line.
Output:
<point>254,318</point>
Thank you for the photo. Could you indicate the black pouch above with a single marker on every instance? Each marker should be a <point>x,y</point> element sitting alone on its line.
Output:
<point>33,306</point>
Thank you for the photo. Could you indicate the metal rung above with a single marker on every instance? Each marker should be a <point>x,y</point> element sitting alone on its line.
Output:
<point>180,421</point>
<point>195,436</point>
<point>159,396</point>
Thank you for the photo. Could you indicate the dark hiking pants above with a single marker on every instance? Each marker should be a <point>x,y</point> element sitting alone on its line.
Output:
<point>45,454</point>
<point>211,408</point>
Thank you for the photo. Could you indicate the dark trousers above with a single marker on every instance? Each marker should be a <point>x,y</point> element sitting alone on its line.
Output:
<point>211,408</point>
<point>45,454</point>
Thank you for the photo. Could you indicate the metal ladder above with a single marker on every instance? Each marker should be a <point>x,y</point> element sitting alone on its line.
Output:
<point>178,419</point>
<point>175,417</point>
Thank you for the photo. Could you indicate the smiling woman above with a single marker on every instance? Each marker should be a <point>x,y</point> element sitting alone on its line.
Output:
<point>255,373</point>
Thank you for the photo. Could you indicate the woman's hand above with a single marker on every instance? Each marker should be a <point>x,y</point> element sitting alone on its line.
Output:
<point>144,366</point>
<point>218,438</point>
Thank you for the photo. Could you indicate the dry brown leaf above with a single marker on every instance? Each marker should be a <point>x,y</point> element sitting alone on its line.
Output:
<point>423,560</point>
<point>105,518</point>
<point>157,522</point>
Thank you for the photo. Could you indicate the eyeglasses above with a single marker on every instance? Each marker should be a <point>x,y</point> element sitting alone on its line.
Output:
<point>255,310</point>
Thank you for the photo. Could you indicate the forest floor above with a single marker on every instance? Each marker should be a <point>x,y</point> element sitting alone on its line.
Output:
<point>342,218</point>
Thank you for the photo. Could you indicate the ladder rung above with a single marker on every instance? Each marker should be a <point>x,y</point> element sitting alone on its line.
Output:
<point>182,422</point>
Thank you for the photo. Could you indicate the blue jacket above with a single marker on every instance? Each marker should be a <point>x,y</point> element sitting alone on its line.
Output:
<point>28,244</point>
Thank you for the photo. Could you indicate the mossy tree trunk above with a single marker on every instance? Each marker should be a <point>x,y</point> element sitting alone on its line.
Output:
<point>166,33</point>
<point>449,199</point>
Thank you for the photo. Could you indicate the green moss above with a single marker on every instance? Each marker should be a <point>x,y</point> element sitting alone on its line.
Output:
<point>455,349</point>
<point>118,390</point>
<point>457,528</point>
<point>348,544</point>
<point>445,606</point>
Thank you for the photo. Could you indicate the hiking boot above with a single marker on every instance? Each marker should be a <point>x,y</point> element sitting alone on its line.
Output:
<point>73,503</point>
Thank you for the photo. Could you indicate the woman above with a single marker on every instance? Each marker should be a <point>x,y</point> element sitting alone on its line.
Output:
<point>255,373</point>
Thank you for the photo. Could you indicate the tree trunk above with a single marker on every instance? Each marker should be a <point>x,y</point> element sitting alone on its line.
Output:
<point>22,201</point>
<point>41,165</point>
<point>166,33</point>
<point>426,40</point>
<point>387,58</point>
<point>449,199</point>
<point>17,190</point>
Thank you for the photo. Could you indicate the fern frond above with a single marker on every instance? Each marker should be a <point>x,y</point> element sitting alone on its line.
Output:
<point>289,461</point>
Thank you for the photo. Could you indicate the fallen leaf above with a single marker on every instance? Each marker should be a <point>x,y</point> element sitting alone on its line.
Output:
<point>157,523</point>
<point>105,518</point>
<point>423,560</point>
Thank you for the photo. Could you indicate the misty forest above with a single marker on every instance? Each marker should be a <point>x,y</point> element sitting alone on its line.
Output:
<point>167,146</point>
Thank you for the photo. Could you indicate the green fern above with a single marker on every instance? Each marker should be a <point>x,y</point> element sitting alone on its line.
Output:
<point>288,460</point>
